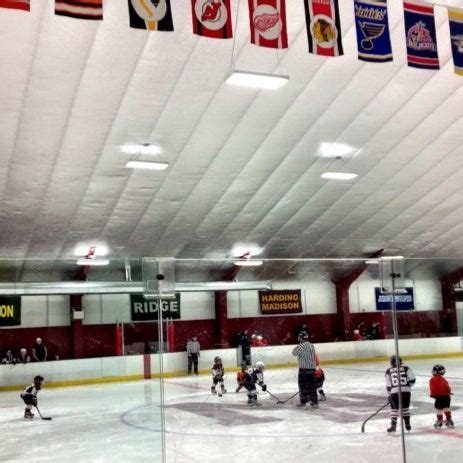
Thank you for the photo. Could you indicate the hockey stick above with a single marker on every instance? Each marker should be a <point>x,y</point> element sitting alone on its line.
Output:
<point>279,402</point>
<point>47,418</point>
<point>289,398</point>
<point>374,414</point>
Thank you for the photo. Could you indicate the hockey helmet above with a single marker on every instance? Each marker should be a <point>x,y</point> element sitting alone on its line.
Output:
<point>217,359</point>
<point>260,366</point>
<point>303,336</point>
<point>394,361</point>
<point>38,379</point>
<point>438,370</point>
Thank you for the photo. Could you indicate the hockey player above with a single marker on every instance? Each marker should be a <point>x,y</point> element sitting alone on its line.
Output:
<point>440,391</point>
<point>319,377</point>
<point>240,377</point>
<point>29,395</point>
<point>253,376</point>
<point>217,377</point>
<point>398,372</point>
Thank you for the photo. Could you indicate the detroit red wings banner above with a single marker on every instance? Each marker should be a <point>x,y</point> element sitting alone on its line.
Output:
<point>268,23</point>
<point>80,9</point>
<point>212,18</point>
<point>16,4</point>
<point>323,27</point>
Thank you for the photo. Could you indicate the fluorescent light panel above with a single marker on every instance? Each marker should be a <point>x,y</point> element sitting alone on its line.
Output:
<point>82,249</point>
<point>242,249</point>
<point>84,261</point>
<point>335,150</point>
<point>339,175</point>
<point>147,165</point>
<point>257,80</point>
<point>248,263</point>
<point>141,149</point>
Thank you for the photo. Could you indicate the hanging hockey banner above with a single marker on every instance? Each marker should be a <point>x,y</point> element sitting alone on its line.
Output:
<point>280,302</point>
<point>420,34</point>
<point>10,310</point>
<point>323,27</point>
<point>456,38</point>
<point>142,309</point>
<point>268,23</point>
<point>151,15</point>
<point>16,4</point>
<point>212,18</point>
<point>402,301</point>
<point>373,39</point>
<point>80,9</point>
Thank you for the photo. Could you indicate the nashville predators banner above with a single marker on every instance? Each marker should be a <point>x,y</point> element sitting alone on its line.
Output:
<point>420,34</point>
<point>373,39</point>
<point>152,15</point>
<point>456,38</point>
<point>80,9</point>
<point>16,4</point>
<point>212,18</point>
<point>323,27</point>
<point>268,23</point>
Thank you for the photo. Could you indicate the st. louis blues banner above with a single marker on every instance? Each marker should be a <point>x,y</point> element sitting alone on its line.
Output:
<point>268,23</point>
<point>152,15</point>
<point>456,38</point>
<point>420,34</point>
<point>323,27</point>
<point>212,18</point>
<point>16,4</point>
<point>373,39</point>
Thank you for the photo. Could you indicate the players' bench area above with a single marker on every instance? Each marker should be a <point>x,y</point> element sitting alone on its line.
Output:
<point>136,367</point>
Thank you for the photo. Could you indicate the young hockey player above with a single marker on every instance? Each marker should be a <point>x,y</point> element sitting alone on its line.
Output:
<point>251,377</point>
<point>440,391</point>
<point>29,395</point>
<point>398,372</point>
<point>240,377</point>
<point>319,376</point>
<point>217,377</point>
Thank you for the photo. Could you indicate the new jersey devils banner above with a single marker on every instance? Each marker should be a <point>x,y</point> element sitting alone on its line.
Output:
<point>456,38</point>
<point>420,34</point>
<point>212,18</point>
<point>152,15</point>
<point>323,27</point>
<point>81,9</point>
<point>268,23</point>
<point>16,4</point>
<point>373,39</point>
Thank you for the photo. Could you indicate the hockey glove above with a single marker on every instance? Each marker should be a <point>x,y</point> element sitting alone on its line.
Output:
<point>264,387</point>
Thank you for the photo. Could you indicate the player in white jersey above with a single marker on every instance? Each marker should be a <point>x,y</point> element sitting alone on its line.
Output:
<point>218,372</point>
<point>29,395</point>
<point>398,372</point>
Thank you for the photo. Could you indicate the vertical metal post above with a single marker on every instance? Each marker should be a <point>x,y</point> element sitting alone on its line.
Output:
<point>393,276</point>
<point>161,381</point>
<point>123,338</point>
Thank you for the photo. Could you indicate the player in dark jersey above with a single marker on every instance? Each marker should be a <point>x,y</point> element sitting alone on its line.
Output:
<point>29,395</point>
<point>398,372</point>
<point>217,377</point>
<point>253,376</point>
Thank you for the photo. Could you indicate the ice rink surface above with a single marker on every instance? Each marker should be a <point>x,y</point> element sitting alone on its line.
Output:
<point>120,422</point>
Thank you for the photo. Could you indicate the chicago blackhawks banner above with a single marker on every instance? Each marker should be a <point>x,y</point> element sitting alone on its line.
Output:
<point>323,27</point>
<point>81,9</point>
<point>373,39</point>
<point>456,38</point>
<point>16,4</point>
<point>152,15</point>
<point>268,23</point>
<point>420,34</point>
<point>212,18</point>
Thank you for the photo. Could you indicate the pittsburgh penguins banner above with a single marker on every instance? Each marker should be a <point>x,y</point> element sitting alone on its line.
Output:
<point>16,4</point>
<point>420,34</point>
<point>80,9</point>
<point>456,38</point>
<point>212,18</point>
<point>323,27</point>
<point>152,15</point>
<point>373,39</point>
<point>268,23</point>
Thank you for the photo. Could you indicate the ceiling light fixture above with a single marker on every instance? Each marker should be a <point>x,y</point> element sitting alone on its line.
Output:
<point>147,165</point>
<point>257,80</point>
<point>243,250</point>
<point>392,257</point>
<point>145,148</point>
<point>372,261</point>
<point>85,261</point>
<point>335,150</point>
<point>248,263</point>
<point>338,175</point>
<point>87,250</point>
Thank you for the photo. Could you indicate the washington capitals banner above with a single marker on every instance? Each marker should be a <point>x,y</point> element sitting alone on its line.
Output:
<point>373,39</point>
<point>152,15</point>
<point>323,27</point>
<point>81,9</point>
<point>420,34</point>
<point>212,18</point>
<point>268,23</point>
<point>456,38</point>
<point>16,4</point>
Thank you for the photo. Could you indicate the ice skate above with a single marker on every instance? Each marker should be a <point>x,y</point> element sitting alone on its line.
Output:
<point>393,427</point>
<point>438,424</point>
<point>449,424</point>
<point>213,391</point>
<point>223,390</point>
<point>301,405</point>
<point>313,405</point>
<point>322,397</point>
<point>28,415</point>
<point>407,424</point>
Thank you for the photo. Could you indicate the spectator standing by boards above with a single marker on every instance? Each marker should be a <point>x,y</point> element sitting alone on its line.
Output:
<point>39,351</point>
<point>193,350</point>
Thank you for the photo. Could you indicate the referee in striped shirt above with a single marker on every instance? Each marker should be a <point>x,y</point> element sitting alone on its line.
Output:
<point>305,353</point>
